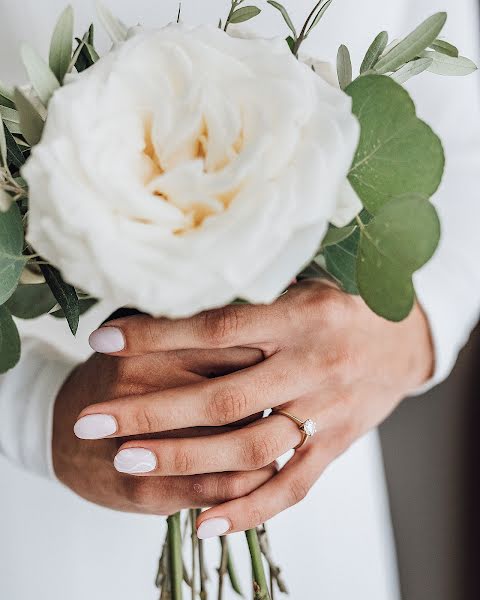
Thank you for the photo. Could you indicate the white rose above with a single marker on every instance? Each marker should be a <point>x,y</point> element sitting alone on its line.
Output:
<point>188,168</point>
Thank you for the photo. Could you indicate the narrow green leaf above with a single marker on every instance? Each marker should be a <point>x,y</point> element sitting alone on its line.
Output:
<point>31,123</point>
<point>115,29</point>
<point>65,295</point>
<point>341,262</point>
<point>12,260</point>
<point>9,114</point>
<point>442,64</point>
<point>3,143</point>
<point>291,43</point>
<point>319,16</point>
<point>374,52</point>
<point>283,11</point>
<point>244,14</point>
<point>61,44</point>
<point>397,153</point>
<point>10,344</point>
<point>6,96</point>
<point>39,73</point>
<point>411,46</point>
<point>344,67</point>
<point>414,67</point>
<point>444,48</point>
<point>31,301</point>
<point>335,235</point>
<point>85,304</point>
<point>14,153</point>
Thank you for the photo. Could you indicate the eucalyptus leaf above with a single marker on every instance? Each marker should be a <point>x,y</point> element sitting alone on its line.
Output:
<point>411,46</point>
<point>444,48</point>
<point>414,67</point>
<point>39,73</point>
<point>442,64</point>
<point>319,15</point>
<point>31,123</point>
<point>10,344</point>
<point>374,52</point>
<point>14,153</point>
<point>65,295</point>
<point>283,11</point>
<point>31,301</point>
<point>400,240</point>
<point>62,44</point>
<point>335,235</point>
<point>341,262</point>
<point>85,304</point>
<point>244,14</point>
<point>397,153</point>
<point>344,67</point>
<point>12,260</point>
<point>115,29</point>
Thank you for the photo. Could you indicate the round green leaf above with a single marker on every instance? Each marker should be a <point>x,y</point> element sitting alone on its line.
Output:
<point>11,247</point>
<point>9,341</point>
<point>31,301</point>
<point>398,153</point>
<point>341,262</point>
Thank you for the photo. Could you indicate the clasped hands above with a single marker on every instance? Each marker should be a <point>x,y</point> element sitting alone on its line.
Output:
<point>167,414</point>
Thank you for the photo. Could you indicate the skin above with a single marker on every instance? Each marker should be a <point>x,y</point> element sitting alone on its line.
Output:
<point>326,357</point>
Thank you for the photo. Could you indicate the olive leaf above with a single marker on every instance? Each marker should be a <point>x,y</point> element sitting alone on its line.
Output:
<point>318,17</point>
<point>39,73</point>
<point>61,44</point>
<point>444,48</point>
<point>374,52</point>
<point>85,304</point>
<point>411,46</point>
<point>344,67</point>
<point>3,143</point>
<point>442,64</point>
<point>283,11</point>
<point>402,237</point>
<point>115,29</point>
<point>14,153</point>
<point>9,341</point>
<point>12,260</point>
<point>414,67</point>
<point>244,14</point>
<point>65,295</point>
<point>31,301</point>
<point>397,153</point>
<point>31,123</point>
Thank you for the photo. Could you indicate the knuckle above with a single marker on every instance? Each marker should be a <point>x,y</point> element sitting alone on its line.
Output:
<point>221,326</point>
<point>260,451</point>
<point>298,490</point>
<point>227,405</point>
<point>145,421</point>
<point>183,462</point>
<point>255,516</point>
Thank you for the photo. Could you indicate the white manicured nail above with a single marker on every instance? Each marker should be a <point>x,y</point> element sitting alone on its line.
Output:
<point>135,460</point>
<point>95,427</point>
<point>107,340</point>
<point>213,528</point>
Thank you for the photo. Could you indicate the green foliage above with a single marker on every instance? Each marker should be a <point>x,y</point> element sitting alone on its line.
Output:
<point>283,11</point>
<point>442,64</point>
<point>85,304</point>
<point>397,153</point>
<point>335,235</point>
<point>444,48</point>
<point>244,14</point>
<point>85,54</point>
<point>344,67</point>
<point>374,52</point>
<point>115,29</point>
<point>11,247</point>
<point>61,44</point>
<point>31,301</point>
<point>31,123</point>
<point>65,295</point>
<point>414,67</point>
<point>9,341</point>
<point>14,153</point>
<point>39,73</point>
<point>341,262</point>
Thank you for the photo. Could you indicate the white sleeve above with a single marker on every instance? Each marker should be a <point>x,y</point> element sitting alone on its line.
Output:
<point>448,288</point>
<point>27,397</point>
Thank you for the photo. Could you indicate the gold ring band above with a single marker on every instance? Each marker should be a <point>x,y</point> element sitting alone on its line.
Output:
<point>307,428</point>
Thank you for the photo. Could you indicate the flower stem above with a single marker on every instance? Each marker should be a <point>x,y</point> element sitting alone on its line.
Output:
<point>193,518</point>
<point>223,568</point>
<point>260,585</point>
<point>175,555</point>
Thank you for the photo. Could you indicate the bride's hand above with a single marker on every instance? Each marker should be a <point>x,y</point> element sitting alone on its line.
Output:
<point>87,466</point>
<point>327,358</point>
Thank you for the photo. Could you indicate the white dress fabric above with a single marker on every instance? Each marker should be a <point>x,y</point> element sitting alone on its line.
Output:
<point>337,544</point>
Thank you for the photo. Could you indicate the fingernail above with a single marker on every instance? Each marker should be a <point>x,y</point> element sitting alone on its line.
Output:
<point>95,427</point>
<point>213,528</point>
<point>107,340</point>
<point>135,460</point>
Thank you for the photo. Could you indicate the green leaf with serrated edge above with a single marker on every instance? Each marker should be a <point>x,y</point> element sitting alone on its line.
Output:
<point>62,44</point>
<point>283,11</point>
<point>444,48</point>
<point>414,67</point>
<point>31,123</point>
<point>344,67</point>
<point>65,294</point>
<point>10,344</point>
<point>14,154</point>
<point>31,301</point>
<point>397,153</point>
<point>448,65</point>
<point>335,235</point>
<point>341,262</point>
<point>319,16</point>
<point>400,240</point>
<point>39,73</point>
<point>3,143</point>
<point>411,46</point>
<point>374,52</point>
<point>244,14</point>
<point>85,304</point>
<point>11,247</point>
<point>115,29</point>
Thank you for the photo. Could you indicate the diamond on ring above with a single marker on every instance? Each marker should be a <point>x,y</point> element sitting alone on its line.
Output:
<point>309,428</point>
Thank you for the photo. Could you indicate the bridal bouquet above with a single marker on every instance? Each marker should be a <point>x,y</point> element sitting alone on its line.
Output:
<point>192,167</point>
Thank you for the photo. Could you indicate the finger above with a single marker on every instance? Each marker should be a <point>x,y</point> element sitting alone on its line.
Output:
<point>167,495</point>
<point>215,402</point>
<point>234,325</point>
<point>287,488</point>
<point>218,362</point>
<point>247,449</point>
